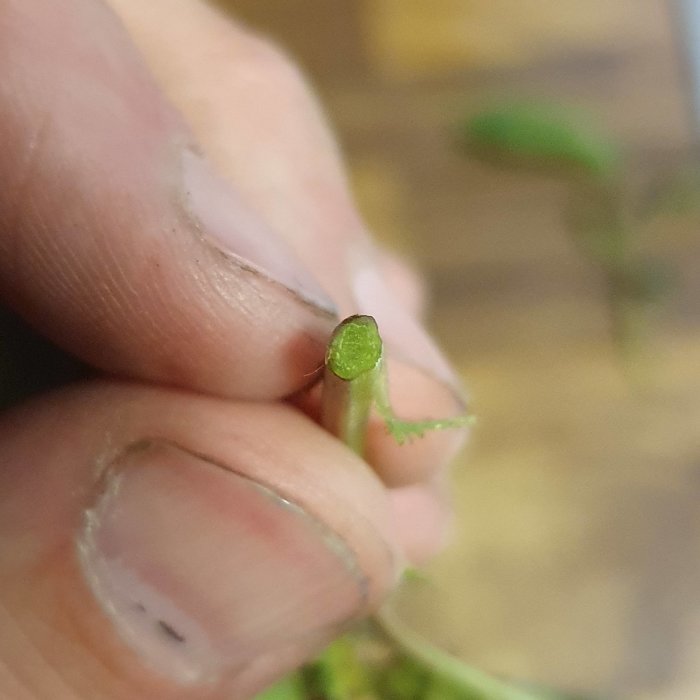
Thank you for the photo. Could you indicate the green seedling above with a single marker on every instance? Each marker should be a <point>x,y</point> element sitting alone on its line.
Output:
<point>539,135</point>
<point>355,382</point>
<point>610,223</point>
<point>291,688</point>
<point>383,658</point>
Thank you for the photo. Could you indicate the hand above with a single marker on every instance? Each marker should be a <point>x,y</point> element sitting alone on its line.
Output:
<point>173,212</point>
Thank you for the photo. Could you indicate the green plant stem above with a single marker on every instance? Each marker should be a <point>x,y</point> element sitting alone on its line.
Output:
<point>290,688</point>
<point>352,373</point>
<point>462,678</point>
<point>346,407</point>
<point>341,674</point>
<point>354,382</point>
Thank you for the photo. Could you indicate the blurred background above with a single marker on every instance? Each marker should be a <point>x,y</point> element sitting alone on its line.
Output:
<point>576,556</point>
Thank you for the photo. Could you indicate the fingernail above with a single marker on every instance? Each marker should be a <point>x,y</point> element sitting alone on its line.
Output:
<point>226,221</point>
<point>404,336</point>
<point>202,570</point>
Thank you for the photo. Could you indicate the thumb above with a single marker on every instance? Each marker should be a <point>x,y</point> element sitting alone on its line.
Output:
<point>118,240</point>
<point>166,547</point>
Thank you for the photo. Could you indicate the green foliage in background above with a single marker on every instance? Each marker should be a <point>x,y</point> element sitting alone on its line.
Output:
<point>542,136</point>
<point>611,224</point>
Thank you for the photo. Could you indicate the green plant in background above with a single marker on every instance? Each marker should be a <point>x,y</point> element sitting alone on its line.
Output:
<point>382,659</point>
<point>610,225</point>
<point>540,136</point>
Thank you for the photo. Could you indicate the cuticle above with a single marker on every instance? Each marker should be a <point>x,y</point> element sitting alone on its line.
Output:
<point>192,223</point>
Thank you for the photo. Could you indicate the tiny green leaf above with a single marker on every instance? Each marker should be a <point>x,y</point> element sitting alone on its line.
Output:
<point>340,674</point>
<point>541,136</point>
<point>291,688</point>
<point>404,679</point>
<point>404,431</point>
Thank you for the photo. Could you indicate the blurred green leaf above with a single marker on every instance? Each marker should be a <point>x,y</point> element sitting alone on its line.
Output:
<point>340,674</point>
<point>404,679</point>
<point>291,688</point>
<point>539,136</point>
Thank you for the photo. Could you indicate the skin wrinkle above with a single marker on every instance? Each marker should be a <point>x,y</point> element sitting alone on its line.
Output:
<point>15,197</point>
<point>160,294</point>
<point>235,262</point>
<point>42,255</point>
<point>182,327</point>
<point>10,675</point>
<point>74,272</point>
<point>42,245</point>
<point>55,681</point>
<point>221,282</point>
<point>205,282</point>
<point>181,324</point>
<point>120,284</point>
<point>10,682</point>
<point>118,287</point>
<point>124,293</point>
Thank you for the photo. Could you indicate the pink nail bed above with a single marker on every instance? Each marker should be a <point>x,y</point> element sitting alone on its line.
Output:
<point>201,570</point>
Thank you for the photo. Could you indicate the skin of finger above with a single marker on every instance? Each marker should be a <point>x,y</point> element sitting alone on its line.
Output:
<point>422,519</point>
<point>96,249</point>
<point>56,636</point>
<point>405,281</point>
<point>253,112</point>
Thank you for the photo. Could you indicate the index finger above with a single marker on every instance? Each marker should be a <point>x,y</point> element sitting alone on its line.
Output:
<point>118,240</point>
